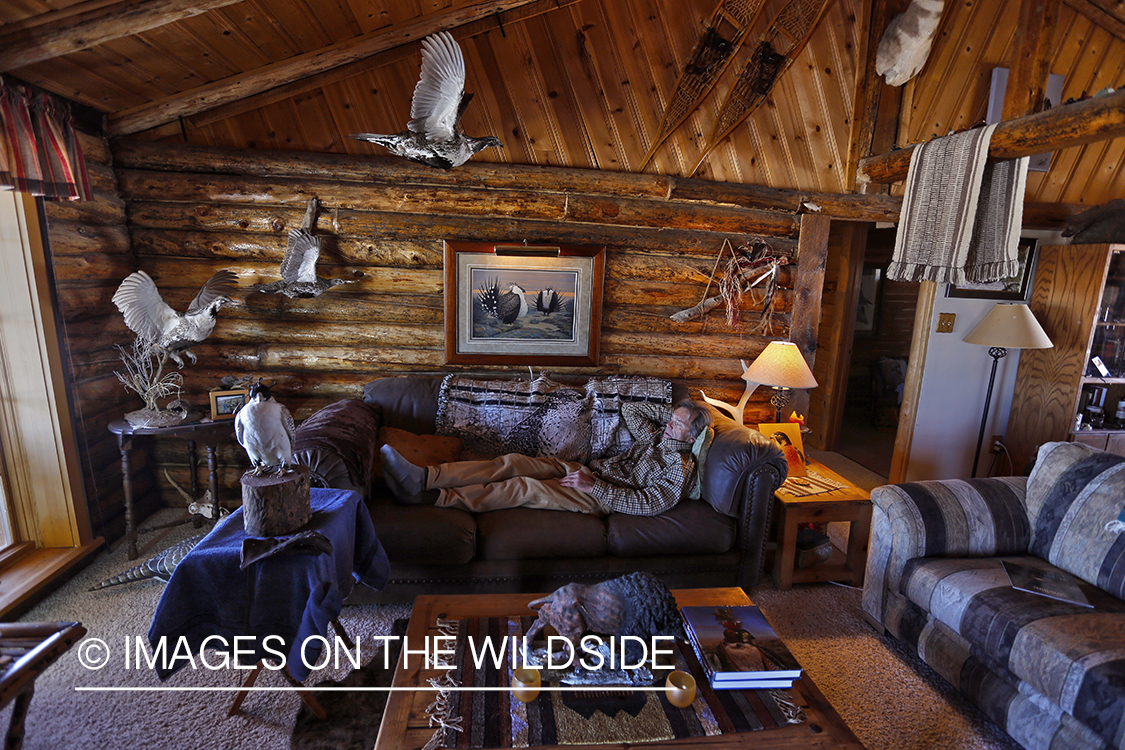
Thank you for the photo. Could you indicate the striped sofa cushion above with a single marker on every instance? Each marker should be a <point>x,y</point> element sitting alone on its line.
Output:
<point>1072,493</point>
<point>1072,655</point>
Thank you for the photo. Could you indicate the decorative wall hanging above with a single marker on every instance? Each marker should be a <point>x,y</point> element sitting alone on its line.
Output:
<point>751,264</point>
<point>712,54</point>
<point>522,304</point>
<point>778,48</point>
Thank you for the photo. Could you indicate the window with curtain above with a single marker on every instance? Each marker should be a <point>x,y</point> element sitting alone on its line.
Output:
<point>39,150</point>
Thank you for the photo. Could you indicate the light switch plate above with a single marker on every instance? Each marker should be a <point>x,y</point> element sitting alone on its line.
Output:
<point>945,322</point>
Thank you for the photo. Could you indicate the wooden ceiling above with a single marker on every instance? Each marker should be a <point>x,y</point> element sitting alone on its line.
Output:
<point>578,83</point>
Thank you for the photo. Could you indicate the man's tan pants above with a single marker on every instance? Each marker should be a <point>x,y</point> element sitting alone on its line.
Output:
<point>509,481</point>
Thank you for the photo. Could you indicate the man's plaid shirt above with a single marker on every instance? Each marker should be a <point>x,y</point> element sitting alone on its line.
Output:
<point>653,475</point>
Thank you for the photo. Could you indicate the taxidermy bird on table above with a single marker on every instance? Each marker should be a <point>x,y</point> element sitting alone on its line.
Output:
<point>433,137</point>
<point>265,428</point>
<point>508,306</point>
<point>151,318</point>
<point>298,267</point>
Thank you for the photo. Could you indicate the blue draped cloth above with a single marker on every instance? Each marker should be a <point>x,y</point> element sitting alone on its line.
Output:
<point>290,596</point>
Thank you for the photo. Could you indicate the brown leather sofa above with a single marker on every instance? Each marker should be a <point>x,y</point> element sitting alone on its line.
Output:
<point>716,541</point>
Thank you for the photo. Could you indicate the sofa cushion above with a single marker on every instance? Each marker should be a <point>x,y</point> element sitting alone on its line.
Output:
<point>1073,655</point>
<point>1072,493</point>
<point>424,534</point>
<point>408,403</point>
<point>691,528</point>
<point>528,533</point>
<point>420,450</point>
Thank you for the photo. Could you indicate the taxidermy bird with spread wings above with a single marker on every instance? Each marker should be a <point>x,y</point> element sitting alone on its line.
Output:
<point>298,267</point>
<point>265,428</point>
<point>150,317</point>
<point>433,137</point>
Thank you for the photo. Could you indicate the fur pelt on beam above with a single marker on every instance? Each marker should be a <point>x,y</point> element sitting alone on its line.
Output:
<point>906,43</point>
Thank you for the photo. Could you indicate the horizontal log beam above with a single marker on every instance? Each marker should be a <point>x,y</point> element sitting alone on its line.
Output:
<point>1089,121</point>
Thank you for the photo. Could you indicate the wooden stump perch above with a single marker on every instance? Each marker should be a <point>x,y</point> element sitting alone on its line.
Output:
<point>274,505</point>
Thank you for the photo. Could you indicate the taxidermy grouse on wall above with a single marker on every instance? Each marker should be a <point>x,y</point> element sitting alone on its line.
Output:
<point>298,267</point>
<point>150,317</point>
<point>433,137</point>
<point>264,427</point>
<point>507,306</point>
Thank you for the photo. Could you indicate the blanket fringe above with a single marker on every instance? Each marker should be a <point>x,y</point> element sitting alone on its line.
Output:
<point>793,713</point>
<point>438,712</point>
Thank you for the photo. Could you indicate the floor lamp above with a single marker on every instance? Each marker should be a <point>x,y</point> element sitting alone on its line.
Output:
<point>1008,325</point>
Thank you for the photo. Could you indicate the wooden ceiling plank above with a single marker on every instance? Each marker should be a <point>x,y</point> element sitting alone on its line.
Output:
<point>342,72</point>
<point>572,126</point>
<point>1103,13</point>
<point>74,31</point>
<point>508,126</point>
<point>1094,119</point>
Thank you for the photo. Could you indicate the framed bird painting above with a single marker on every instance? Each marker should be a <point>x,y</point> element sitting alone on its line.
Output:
<point>520,304</point>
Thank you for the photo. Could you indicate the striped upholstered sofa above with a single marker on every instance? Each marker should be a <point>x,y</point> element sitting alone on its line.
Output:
<point>1051,674</point>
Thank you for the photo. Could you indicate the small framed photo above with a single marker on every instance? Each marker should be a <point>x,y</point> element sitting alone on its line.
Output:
<point>225,403</point>
<point>1014,288</point>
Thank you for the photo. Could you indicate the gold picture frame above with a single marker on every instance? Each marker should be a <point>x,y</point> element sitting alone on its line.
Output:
<point>564,332</point>
<point>224,404</point>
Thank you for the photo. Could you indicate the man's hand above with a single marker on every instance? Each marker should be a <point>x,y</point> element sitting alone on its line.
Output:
<point>582,480</point>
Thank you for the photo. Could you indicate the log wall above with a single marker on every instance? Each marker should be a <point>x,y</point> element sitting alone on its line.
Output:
<point>90,251</point>
<point>192,211</point>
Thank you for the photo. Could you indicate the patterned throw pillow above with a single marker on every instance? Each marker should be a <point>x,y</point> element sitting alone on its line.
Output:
<point>1072,493</point>
<point>420,450</point>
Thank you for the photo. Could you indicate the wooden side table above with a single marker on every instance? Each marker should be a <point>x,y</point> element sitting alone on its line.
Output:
<point>845,502</point>
<point>209,433</point>
<point>26,649</point>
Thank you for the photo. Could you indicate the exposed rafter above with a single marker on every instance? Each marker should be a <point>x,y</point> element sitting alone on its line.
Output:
<point>90,24</point>
<point>1089,121</point>
<point>202,98</point>
<point>1105,13</point>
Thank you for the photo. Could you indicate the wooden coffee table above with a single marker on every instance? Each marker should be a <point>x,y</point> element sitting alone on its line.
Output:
<point>405,726</point>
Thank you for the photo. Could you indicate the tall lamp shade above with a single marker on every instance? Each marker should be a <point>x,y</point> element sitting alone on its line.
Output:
<point>782,367</point>
<point>1008,325</point>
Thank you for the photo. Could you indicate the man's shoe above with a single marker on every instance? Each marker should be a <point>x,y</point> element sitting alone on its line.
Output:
<point>404,478</point>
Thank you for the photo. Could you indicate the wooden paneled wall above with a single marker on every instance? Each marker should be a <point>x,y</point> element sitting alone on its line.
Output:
<point>192,211</point>
<point>90,251</point>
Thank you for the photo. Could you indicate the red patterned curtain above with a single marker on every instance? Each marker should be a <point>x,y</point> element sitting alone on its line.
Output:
<point>39,151</point>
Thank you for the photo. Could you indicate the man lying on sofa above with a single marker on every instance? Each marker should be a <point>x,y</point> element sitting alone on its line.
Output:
<point>649,478</point>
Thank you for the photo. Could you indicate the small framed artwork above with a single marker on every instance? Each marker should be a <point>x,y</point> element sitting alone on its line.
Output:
<point>787,436</point>
<point>870,300</point>
<point>225,403</point>
<point>1015,288</point>
<point>509,304</point>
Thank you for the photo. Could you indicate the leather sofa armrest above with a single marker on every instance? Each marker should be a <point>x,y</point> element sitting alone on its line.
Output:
<point>941,518</point>
<point>742,471</point>
<point>338,445</point>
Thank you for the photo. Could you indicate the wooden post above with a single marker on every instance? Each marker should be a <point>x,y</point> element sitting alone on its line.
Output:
<point>274,505</point>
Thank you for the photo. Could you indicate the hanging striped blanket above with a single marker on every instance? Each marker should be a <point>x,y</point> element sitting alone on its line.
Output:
<point>961,217</point>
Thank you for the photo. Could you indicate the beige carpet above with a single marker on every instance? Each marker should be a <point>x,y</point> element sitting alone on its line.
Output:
<point>889,698</point>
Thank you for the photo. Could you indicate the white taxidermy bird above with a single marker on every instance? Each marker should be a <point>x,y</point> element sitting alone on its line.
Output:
<point>906,43</point>
<point>265,428</point>
<point>433,137</point>
<point>150,317</point>
<point>298,267</point>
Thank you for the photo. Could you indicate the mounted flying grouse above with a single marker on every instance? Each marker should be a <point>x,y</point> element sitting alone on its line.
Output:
<point>265,428</point>
<point>433,137</point>
<point>150,317</point>
<point>298,267</point>
<point>507,306</point>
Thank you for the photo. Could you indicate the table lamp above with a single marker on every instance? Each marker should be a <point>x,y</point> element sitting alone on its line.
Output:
<point>782,367</point>
<point>1008,325</point>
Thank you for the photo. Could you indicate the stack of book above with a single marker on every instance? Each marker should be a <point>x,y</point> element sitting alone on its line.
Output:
<point>738,649</point>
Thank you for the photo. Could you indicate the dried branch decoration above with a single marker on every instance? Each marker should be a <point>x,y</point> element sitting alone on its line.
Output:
<point>144,372</point>
<point>749,265</point>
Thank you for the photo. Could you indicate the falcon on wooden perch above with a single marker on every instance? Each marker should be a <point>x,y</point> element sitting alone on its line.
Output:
<point>433,137</point>
<point>298,267</point>
<point>265,428</point>
<point>152,319</point>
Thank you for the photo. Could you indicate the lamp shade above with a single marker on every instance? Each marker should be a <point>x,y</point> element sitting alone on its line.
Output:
<point>780,365</point>
<point>1010,325</point>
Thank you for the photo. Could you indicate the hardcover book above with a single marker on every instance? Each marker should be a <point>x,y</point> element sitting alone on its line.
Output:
<point>737,647</point>
<point>1049,583</point>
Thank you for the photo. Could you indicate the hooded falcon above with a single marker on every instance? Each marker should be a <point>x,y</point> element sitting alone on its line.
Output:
<point>264,427</point>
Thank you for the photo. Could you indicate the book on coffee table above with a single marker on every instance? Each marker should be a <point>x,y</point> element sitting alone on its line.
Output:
<point>1048,583</point>
<point>738,649</point>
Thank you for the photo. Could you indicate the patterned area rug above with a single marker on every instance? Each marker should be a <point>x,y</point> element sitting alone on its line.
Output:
<point>597,715</point>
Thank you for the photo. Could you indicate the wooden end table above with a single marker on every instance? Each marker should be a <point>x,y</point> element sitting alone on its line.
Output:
<point>847,503</point>
<point>26,649</point>
<point>405,726</point>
